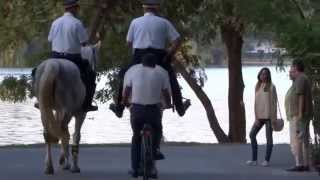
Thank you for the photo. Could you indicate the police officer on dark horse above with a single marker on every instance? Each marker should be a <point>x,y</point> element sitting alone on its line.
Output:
<point>149,34</point>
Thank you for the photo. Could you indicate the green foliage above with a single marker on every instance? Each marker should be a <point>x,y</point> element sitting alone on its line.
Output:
<point>314,74</point>
<point>22,21</point>
<point>300,38</point>
<point>111,86</point>
<point>114,52</point>
<point>14,89</point>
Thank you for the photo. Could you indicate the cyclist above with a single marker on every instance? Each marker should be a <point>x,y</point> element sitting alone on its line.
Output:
<point>146,84</point>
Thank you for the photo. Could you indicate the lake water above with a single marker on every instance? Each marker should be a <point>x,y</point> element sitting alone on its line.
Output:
<point>20,123</point>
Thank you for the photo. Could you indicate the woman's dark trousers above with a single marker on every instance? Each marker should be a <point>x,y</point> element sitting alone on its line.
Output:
<point>253,134</point>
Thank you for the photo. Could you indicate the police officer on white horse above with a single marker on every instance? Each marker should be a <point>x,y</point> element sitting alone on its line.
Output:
<point>67,35</point>
<point>149,34</point>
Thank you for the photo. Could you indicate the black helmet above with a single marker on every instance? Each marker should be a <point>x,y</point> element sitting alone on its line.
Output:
<point>70,3</point>
<point>151,2</point>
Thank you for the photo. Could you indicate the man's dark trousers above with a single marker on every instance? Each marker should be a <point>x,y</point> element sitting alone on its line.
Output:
<point>141,114</point>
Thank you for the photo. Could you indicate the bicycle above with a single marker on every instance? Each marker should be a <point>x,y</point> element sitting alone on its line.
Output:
<point>147,156</point>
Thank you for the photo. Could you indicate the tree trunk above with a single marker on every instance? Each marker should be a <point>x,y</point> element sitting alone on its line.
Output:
<point>214,124</point>
<point>237,123</point>
<point>98,20</point>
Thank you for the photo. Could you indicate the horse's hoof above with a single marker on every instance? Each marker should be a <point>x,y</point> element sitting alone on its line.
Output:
<point>75,170</point>
<point>49,171</point>
<point>61,160</point>
<point>66,167</point>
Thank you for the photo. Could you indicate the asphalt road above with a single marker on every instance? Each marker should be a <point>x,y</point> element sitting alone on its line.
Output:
<point>183,162</point>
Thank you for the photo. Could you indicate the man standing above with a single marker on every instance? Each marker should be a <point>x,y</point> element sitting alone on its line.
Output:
<point>145,84</point>
<point>150,34</point>
<point>301,110</point>
<point>67,35</point>
<point>289,99</point>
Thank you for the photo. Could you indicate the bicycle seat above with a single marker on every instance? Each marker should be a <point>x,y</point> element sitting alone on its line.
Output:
<point>146,129</point>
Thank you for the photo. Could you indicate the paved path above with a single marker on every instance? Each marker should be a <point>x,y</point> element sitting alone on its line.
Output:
<point>184,162</point>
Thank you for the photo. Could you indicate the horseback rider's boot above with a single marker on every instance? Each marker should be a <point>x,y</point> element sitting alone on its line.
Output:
<point>88,77</point>
<point>117,109</point>
<point>182,106</point>
<point>90,90</point>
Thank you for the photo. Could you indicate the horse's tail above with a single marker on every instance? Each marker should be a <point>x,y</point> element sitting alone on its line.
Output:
<point>46,102</point>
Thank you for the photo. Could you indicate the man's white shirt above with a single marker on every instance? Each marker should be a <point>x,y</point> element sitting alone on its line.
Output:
<point>150,31</point>
<point>147,83</point>
<point>67,33</point>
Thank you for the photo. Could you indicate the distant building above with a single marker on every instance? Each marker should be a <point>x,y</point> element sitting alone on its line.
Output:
<point>261,53</point>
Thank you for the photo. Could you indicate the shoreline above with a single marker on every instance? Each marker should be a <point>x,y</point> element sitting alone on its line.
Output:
<point>176,144</point>
<point>222,65</point>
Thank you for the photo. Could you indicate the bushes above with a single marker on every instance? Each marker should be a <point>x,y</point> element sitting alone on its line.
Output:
<point>14,89</point>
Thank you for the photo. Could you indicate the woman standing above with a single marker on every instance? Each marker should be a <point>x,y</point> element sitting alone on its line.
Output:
<point>265,108</point>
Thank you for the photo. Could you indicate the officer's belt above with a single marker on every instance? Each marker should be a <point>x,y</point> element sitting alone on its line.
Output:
<point>64,54</point>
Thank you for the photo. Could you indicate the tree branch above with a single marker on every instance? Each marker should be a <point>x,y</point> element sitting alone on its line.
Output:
<point>300,9</point>
<point>213,122</point>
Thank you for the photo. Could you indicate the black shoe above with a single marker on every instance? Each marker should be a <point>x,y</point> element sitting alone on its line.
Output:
<point>158,155</point>
<point>91,108</point>
<point>306,168</point>
<point>116,109</point>
<point>36,105</point>
<point>296,169</point>
<point>186,104</point>
<point>153,173</point>
<point>133,173</point>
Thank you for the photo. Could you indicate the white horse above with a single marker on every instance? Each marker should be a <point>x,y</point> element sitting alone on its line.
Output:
<point>61,92</point>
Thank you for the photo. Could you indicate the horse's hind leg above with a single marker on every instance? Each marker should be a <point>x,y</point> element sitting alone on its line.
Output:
<point>48,162</point>
<point>76,140</point>
<point>64,156</point>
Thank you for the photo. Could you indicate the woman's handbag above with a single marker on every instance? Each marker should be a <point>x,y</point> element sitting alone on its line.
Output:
<point>278,124</point>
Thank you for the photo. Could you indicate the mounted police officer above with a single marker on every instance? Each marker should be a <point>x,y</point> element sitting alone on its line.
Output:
<point>150,34</point>
<point>67,35</point>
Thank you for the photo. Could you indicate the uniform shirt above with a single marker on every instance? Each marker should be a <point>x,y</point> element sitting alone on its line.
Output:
<point>150,31</point>
<point>147,84</point>
<point>66,34</point>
